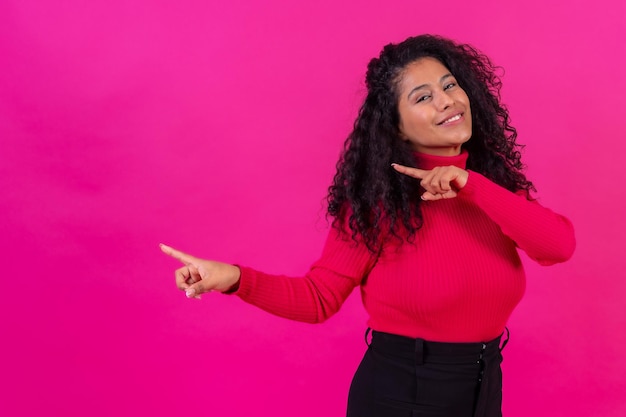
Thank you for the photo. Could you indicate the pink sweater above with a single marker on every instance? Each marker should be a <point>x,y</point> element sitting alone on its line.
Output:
<point>457,282</point>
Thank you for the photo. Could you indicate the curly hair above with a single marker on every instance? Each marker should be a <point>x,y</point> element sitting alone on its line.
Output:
<point>376,202</point>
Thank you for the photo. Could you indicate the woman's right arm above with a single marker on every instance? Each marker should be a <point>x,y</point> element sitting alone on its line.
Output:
<point>311,298</point>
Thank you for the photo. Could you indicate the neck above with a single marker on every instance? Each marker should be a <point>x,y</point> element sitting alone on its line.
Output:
<point>428,161</point>
<point>443,151</point>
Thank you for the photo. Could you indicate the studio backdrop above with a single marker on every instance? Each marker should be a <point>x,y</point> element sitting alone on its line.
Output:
<point>215,126</point>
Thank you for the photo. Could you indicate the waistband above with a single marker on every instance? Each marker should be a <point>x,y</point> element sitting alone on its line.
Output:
<point>409,347</point>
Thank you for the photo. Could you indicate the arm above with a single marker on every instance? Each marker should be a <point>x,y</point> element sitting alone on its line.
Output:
<point>320,293</point>
<point>546,237</point>
<point>312,298</point>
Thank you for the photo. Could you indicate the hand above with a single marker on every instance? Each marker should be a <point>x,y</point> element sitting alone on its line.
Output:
<point>200,275</point>
<point>439,182</point>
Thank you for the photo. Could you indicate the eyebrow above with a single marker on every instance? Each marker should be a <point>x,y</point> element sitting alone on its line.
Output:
<point>426,85</point>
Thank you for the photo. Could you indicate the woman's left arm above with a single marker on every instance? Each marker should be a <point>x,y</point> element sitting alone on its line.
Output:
<point>547,237</point>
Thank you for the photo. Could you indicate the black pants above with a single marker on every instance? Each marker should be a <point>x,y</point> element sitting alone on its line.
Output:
<point>404,377</point>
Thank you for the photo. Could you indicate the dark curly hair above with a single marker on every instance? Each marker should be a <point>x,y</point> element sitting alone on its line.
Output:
<point>376,202</point>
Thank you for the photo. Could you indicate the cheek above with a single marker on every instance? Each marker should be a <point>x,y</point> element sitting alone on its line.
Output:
<point>416,122</point>
<point>465,100</point>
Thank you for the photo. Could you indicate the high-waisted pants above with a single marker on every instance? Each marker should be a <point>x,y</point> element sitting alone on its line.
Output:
<point>404,377</point>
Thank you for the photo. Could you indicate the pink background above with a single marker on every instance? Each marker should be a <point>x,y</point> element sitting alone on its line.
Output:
<point>215,127</point>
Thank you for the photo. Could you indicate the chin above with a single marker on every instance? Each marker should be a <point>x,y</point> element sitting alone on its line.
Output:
<point>466,138</point>
<point>460,141</point>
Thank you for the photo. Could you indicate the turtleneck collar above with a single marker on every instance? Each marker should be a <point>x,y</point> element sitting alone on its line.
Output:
<point>426,161</point>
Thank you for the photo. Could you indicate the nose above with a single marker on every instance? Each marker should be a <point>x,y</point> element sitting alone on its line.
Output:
<point>443,100</point>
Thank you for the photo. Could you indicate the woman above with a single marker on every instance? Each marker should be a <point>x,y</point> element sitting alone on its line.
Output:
<point>432,248</point>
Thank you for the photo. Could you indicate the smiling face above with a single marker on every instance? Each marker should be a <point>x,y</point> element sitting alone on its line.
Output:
<point>435,114</point>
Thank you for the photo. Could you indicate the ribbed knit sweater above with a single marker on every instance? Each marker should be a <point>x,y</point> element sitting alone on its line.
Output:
<point>458,281</point>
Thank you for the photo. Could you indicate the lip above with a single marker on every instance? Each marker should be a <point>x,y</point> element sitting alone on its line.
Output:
<point>450,116</point>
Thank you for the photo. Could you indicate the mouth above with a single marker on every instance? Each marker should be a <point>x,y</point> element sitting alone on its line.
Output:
<point>452,119</point>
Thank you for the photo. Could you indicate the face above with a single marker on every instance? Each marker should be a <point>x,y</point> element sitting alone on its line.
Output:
<point>435,115</point>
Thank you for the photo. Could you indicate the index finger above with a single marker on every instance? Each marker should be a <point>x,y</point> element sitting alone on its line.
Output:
<point>176,254</point>
<point>411,172</point>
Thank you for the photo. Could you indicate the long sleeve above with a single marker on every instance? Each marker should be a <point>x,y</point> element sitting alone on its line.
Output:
<point>545,236</point>
<point>458,280</point>
<point>320,293</point>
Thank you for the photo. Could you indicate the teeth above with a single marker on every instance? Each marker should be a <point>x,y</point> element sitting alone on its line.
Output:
<point>452,119</point>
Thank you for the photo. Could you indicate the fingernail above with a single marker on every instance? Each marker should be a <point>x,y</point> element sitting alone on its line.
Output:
<point>190,292</point>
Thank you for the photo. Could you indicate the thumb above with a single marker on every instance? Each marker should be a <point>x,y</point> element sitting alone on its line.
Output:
<point>194,291</point>
<point>197,289</point>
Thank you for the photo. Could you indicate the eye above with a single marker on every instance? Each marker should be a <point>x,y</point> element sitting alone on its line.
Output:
<point>422,98</point>
<point>449,86</point>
